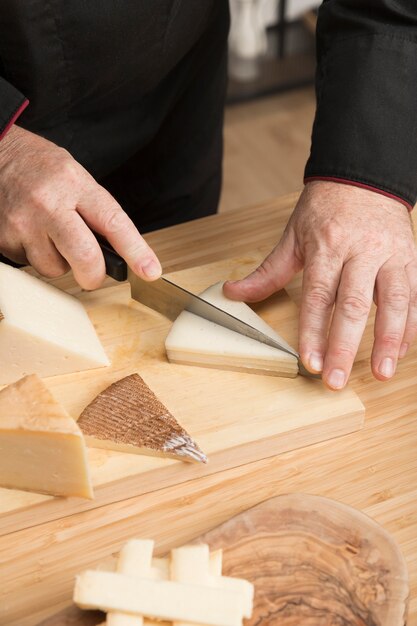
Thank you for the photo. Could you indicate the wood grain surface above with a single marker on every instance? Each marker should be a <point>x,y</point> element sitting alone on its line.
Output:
<point>374,470</point>
<point>234,417</point>
<point>313,562</point>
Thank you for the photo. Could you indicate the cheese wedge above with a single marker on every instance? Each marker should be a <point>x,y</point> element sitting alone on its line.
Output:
<point>43,330</point>
<point>41,447</point>
<point>128,417</point>
<point>193,340</point>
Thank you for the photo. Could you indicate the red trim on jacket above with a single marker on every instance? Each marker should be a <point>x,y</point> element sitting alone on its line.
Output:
<point>14,117</point>
<point>354,183</point>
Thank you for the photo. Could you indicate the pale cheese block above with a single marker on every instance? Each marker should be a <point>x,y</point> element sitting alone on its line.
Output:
<point>41,447</point>
<point>166,600</point>
<point>193,340</point>
<point>43,330</point>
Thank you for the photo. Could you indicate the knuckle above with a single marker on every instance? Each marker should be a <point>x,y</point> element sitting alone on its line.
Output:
<point>69,170</point>
<point>391,340</point>
<point>413,298</point>
<point>319,298</point>
<point>17,222</point>
<point>114,221</point>
<point>88,257</point>
<point>397,298</point>
<point>343,352</point>
<point>354,307</point>
<point>54,270</point>
<point>333,234</point>
<point>266,271</point>
<point>38,195</point>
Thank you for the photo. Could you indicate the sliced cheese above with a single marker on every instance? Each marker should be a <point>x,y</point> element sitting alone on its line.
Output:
<point>161,566</point>
<point>191,564</point>
<point>193,340</point>
<point>43,330</point>
<point>135,559</point>
<point>41,447</point>
<point>167,600</point>
<point>128,417</point>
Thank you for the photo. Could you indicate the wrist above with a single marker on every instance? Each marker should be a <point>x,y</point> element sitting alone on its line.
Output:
<point>330,180</point>
<point>12,143</point>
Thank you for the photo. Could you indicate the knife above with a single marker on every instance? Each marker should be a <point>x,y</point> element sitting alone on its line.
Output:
<point>170,299</point>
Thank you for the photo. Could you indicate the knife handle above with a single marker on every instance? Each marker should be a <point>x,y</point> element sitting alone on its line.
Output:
<point>116,267</point>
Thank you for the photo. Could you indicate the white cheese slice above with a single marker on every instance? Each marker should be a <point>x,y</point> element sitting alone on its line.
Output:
<point>193,340</point>
<point>166,600</point>
<point>135,559</point>
<point>41,447</point>
<point>191,564</point>
<point>43,330</point>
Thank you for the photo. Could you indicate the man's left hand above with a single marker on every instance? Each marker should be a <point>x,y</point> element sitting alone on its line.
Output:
<point>354,245</point>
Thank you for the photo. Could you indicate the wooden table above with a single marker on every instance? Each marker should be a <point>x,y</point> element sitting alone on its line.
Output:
<point>374,470</point>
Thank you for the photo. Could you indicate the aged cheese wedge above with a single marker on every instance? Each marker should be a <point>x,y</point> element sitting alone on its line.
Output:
<point>41,447</point>
<point>196,341</point>
<point>128,417</point>
<point>167,600</point>
<point>43,330</point>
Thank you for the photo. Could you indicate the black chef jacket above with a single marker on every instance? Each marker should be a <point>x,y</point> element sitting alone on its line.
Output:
<point>135,92</point>
<point>134,89</point>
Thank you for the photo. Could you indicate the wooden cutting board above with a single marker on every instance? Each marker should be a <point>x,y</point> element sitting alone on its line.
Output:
<point>236,418</point>
<point>313,561</point>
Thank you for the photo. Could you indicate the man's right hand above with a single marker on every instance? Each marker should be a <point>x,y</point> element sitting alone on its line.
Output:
<point>49,205</point>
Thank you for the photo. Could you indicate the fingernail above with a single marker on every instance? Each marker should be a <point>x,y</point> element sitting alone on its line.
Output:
<point>316,361</point>
<point>386,367</point>
<point>152,269</point>
<point>403,350</point>
<point>336,379</point>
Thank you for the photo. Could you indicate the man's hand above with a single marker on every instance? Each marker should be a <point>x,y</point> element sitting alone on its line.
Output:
<point>354,245</point>
<point>49,203</point>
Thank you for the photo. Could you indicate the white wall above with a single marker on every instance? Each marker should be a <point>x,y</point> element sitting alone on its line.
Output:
<point>269,9</point>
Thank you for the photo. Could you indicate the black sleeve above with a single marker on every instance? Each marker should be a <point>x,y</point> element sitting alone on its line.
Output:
<point>365,129</point>
<point>12,103</point>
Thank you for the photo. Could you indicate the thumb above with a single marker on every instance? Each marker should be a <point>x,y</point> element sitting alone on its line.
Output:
<point>273,274</point>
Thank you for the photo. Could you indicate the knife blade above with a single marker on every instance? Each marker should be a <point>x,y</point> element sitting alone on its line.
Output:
<point>170,299</point>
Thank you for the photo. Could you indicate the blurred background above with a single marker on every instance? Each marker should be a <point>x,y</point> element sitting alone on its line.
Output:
<point>270,105</point>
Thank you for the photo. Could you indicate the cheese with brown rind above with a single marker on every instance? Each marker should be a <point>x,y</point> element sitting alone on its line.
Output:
<point>41,447</point>
<point>193,340</point>
<point>128,417</point>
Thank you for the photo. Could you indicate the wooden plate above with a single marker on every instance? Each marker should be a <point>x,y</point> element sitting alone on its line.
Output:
<point>314,562</point>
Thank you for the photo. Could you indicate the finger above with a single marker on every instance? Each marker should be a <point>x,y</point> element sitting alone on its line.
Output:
<point>410,332</point>
<point>273,274</point>
<point>104,215</point>
<point>45,258</point>
<point>17,254</point>
<point>353,303</point>
<point>320,283</point>
<point>78,246</point>
<point>393,292</point>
